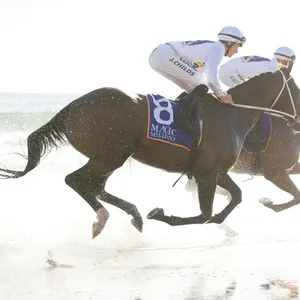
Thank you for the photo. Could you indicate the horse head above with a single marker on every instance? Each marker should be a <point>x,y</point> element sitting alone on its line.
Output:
<point>288,99</point>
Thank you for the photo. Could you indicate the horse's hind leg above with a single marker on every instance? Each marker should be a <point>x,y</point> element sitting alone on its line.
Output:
<point>89,182</point>
<point>84,181</point>
<point>228,184</point>
<point>128,207</point>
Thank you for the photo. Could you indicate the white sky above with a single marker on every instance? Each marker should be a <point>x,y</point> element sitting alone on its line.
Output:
<point>80,45</point>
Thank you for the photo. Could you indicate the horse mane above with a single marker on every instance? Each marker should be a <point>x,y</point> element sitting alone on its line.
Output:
<point>248,86</point>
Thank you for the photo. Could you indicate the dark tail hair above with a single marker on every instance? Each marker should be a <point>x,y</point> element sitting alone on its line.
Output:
<point>49,135</point>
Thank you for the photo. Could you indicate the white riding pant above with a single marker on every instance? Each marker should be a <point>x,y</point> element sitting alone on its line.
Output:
<point>169,63</point>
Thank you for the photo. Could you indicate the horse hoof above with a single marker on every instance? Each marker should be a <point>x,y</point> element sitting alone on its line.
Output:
<point>156,212</point>
<point>138,224</point>
<point>266,201</point>
<point>97,229</point>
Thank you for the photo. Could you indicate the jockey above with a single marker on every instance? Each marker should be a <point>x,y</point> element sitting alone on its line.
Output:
<point>191,64</point>
<point>240,69</point>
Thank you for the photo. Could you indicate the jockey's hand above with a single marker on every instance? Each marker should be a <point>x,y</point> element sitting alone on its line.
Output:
<point>226,99</point>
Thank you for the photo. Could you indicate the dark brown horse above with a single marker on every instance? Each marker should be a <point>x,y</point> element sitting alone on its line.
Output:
<point>108,126</point>
<point>277,162</point>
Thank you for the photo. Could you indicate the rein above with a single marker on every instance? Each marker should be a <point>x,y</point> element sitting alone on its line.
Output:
<point>275,112</point>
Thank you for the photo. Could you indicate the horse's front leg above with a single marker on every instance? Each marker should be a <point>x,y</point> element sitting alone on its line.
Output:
<point>228,184</point>
<point>206,185</point>
<point>283,181</point>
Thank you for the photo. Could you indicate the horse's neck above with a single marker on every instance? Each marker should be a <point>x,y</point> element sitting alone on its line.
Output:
<point>259,91</point>
<point>257,97</point>
<point>242,119</point>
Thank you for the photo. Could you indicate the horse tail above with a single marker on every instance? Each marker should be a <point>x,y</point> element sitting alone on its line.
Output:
<point>50,135</point>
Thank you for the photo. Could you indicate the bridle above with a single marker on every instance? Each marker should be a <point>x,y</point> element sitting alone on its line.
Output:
<point>275,112</point>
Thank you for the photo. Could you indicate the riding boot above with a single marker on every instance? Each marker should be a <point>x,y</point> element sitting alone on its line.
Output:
<point>188,105</point>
